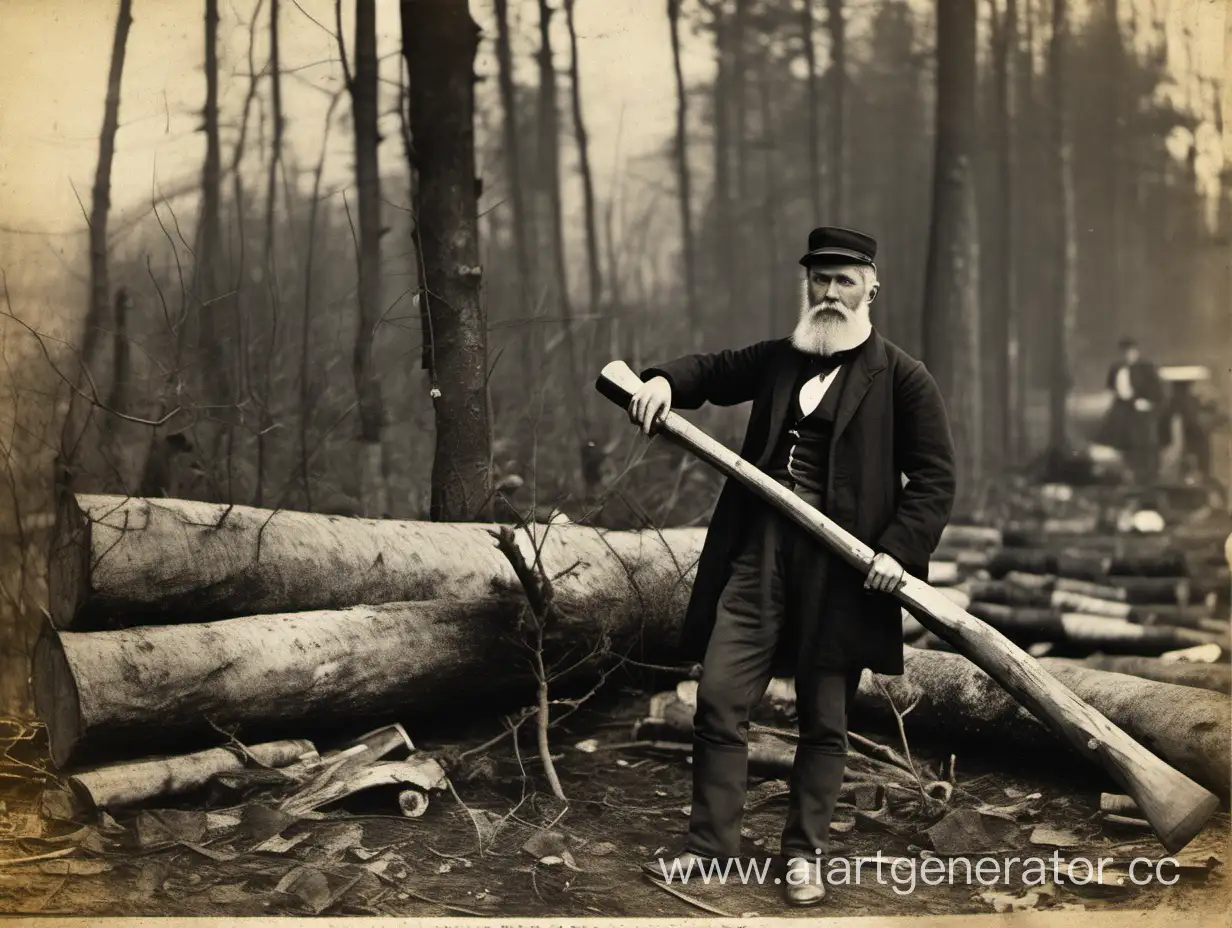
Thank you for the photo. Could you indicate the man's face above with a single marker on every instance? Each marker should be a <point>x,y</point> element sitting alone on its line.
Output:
<point>1132,355</point>
<point>837,292</point>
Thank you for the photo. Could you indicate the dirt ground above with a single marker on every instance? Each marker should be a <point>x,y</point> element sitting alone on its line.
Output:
<point>624,806</point>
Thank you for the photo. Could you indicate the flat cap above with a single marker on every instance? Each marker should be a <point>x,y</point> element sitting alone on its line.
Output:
<point>834,245</point>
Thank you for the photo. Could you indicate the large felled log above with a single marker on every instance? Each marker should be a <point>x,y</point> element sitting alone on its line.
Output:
<point>1080,565</point>
<point>110,691</point>
<point>1027,624</point>
<point>121,785</point>
<point>119,562</point>
<point>970,536</point>
<point>1187,727</point>
<point>1018,535</point>
<point>1216,677</point>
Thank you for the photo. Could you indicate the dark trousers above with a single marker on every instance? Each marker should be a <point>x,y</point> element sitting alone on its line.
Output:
<point>757,608</point>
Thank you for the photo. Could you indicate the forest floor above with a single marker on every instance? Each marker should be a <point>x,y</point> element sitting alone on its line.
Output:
<point>624,806</point>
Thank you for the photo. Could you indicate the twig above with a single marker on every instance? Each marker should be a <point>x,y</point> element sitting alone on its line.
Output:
<point>685,897</point>
<point>50,855</point>
<point>469,813</point>
<point>433,850</point>
<point>902,731</point>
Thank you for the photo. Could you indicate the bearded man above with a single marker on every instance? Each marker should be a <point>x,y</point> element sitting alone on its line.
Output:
<point>857,428</point>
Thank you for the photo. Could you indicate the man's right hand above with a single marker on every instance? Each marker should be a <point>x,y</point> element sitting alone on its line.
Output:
<point>651,403</point>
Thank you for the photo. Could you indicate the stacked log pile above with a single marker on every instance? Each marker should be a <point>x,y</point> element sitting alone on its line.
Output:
<point>1118,592</point>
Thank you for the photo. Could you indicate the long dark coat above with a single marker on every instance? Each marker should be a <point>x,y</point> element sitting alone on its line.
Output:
<point>891,423</point>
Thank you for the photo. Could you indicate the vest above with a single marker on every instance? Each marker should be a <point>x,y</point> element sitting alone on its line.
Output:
<point>802,454</point>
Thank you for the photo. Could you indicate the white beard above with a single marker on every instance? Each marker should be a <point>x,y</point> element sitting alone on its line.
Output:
<point>826,333</point>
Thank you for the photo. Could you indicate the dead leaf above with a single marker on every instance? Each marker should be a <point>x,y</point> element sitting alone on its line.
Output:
<point>260,821</point>
<point>446,867</point>
<point>966,831</point>
<point>551,860</point>
<point>109,825</point>
<point>228,894</point>
<point>149,879</point>
<point>589,746</point>
<point>151,832</point>
<point>487,823</point>
<point>220,821</point>
<point>569,862</point>
<point>343,839</point>
<point>841,828</point>
<point>74,867</point>
<point>364,853</point>
<point>278,844</point>
<point>307,885</point>
<point>602,849</point>
<point>1054,837</point>
<point>170,826</point>
<point>222,855</point>
<point>546,844</point>
<point>58,804</point>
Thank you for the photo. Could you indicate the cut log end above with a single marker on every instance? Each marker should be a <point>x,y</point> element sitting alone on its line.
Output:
<point>56,700</point>
<point>68,568</point>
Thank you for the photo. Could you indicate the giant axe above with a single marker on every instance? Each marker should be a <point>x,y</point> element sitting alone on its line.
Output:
<point>1176,806</point>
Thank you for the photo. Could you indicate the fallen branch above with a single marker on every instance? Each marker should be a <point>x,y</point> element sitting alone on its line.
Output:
<point>685,897</point>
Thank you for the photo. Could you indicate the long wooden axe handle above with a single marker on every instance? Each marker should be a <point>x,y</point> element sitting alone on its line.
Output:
<point>1176,806</point>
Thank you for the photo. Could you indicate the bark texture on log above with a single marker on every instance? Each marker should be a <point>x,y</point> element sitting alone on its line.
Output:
<point>1216,677</point>
<point>98,691</point>
<point>120,785</point>
<point>1187,727</point>
<point>120,562</point>
<point>1026,623</point>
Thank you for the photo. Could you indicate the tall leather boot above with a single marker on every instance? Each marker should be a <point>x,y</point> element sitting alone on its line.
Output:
<point>720,778</point>
<point>815,782</point>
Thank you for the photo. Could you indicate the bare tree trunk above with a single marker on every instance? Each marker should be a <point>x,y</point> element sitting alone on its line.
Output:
<point>1065,303</point>
<point>363,87</point>
<point>838,106</point>
<point>739,38</point>
<point>951,304</point>
<point>262,348</point>
<point>683,178</point>
<point>120,396</point>
<point>595,434</point>
<point>771,206</point>
<point>439,40</point>
<point>1001,342</point>
<point>218,385</point>
<point>549,188</point>
<point>808,30</point>
<point>593,266</point>
<point>1112,81</point>
<point>79,411</point>
<point>523,231</point>
<point>728,273</point>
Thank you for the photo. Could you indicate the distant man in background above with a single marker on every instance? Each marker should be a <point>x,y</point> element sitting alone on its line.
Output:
<point>1132,425</point>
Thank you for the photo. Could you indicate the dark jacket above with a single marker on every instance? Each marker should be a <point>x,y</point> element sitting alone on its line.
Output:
<point>891,423</point>
<point>1144,381</point>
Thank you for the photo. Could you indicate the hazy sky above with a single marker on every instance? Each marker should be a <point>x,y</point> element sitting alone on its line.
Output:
<point>54,56</point>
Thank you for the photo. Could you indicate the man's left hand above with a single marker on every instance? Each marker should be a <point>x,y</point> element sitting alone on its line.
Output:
<point>885,575</point>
